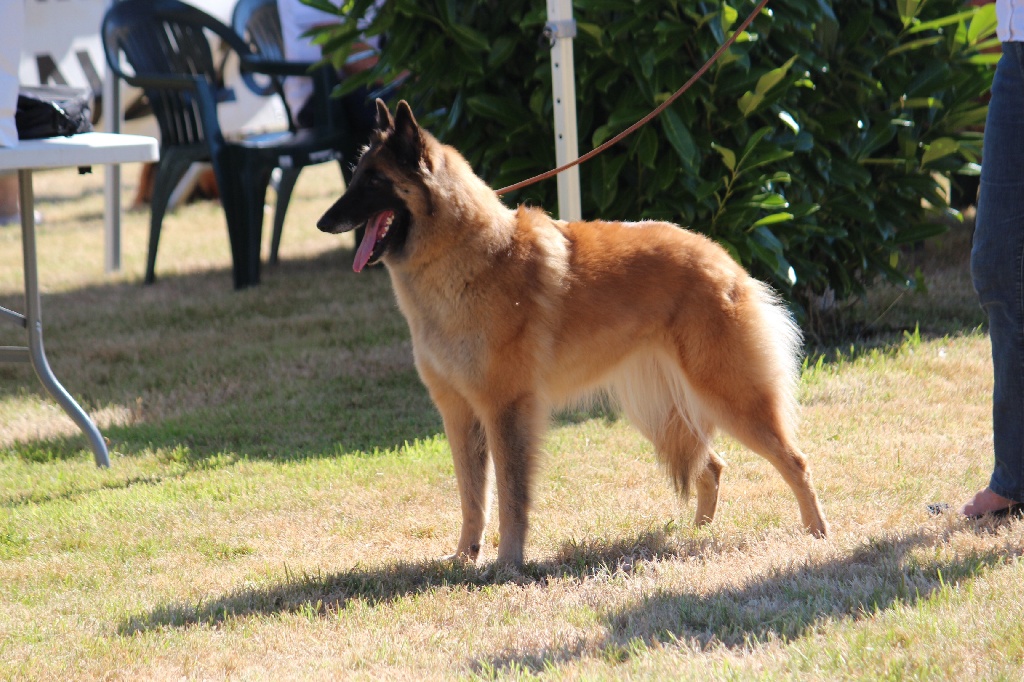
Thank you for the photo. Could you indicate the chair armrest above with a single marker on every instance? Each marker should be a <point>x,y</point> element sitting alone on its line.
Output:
<point>162,82</point>
<point>273,67</point>
<point>322,73</point>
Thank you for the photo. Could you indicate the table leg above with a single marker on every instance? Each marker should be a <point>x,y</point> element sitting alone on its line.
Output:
<point>112,218</point>
<point>33,316</point>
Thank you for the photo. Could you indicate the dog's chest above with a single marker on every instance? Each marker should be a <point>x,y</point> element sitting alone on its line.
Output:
<point>446,332</point>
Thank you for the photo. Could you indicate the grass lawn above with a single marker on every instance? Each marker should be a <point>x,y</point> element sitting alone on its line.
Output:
<point>280,487</point>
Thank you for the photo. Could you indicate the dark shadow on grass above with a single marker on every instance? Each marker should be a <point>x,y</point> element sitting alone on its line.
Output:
<point>35,497</point>
<point>785,603</point>
<point>322,594</point>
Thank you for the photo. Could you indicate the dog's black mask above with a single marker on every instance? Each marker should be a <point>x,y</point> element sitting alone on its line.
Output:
<point>371,200</point>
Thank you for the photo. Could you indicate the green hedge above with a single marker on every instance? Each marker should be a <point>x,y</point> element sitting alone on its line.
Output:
<point>806,151</point>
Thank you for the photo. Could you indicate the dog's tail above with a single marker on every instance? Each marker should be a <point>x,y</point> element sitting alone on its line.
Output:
<point>782,347</point>
<point>659,400</point>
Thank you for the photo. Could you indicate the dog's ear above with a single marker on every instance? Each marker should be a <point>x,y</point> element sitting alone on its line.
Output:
<point>408,136</point>
<point>384,120</point>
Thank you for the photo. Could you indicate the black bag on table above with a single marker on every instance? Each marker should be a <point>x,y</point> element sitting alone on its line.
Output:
<point>52,111</point>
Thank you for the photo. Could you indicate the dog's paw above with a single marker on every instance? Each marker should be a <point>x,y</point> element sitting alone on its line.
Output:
<point>500,572</point>
<point>463,557</point>
<point>819,531</point>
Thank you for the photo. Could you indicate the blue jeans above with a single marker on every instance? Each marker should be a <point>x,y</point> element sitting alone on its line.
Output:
<point>997,265</point>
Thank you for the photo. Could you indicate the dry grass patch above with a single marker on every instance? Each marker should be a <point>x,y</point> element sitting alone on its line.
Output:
<point>281,490</point>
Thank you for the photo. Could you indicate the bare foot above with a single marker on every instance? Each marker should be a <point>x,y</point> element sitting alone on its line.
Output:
<point>985,502</point>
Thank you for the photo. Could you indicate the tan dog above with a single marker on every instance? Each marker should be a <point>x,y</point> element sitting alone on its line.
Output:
<point>513,314</point>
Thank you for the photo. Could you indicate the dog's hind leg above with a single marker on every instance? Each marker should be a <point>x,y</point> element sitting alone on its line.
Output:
<point>708,483</point>
<point>757,415</point>
<point>691,463</point>
<point>469,453</point>
<point>743,377</point>
<point>772,443</point>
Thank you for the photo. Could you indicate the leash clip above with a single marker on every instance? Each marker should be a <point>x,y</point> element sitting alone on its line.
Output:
<point>563,28</point>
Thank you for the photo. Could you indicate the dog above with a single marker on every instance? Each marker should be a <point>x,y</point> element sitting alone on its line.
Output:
<point>513,314</point>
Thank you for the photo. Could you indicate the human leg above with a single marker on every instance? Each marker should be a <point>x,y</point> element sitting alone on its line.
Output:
<point>997,259</point>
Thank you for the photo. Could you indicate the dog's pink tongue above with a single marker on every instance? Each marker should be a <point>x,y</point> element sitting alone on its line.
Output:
<point>365,250</point>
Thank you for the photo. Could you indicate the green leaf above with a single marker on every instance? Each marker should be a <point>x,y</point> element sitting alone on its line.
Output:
<point>755,139</point>
<point>770,200</point>
<point>773,218</point>
<point>728,156</point>
<point>982,25</point>
<point>773,77</point>
<point>942,22</point>
<point>764,158</point>
<point>502,50</point>
<point>592,30</point>
<point>603,133</point>
<point>966,119</point>
<point>908,10</point>
<point>922,103</point>
<point>679,137</point>
<point>984,59</point>
<point>506,110</point>
<point>729,16</point>
<point>914,45</point>
<point>645,147</point>
<point>944,146</point>
<point>604,182</point>
<point>749,102</point>
<point>470,39</point>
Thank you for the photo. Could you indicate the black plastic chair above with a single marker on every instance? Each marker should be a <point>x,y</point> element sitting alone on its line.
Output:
<point>259,24</point>
<point>166,45</point>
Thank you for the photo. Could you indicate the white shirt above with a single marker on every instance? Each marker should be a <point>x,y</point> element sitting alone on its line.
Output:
<point>1010,15</point>
<point>296,19</point>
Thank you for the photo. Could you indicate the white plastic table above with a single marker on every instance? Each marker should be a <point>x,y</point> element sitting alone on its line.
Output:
<point>86,149</point>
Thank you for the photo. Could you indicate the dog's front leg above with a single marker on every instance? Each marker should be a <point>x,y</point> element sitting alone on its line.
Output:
<point>469,454</point>
<point>513,433</point>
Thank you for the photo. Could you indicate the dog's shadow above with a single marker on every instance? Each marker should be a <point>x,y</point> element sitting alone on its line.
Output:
<point>317,593</point>
<point>782,603</point>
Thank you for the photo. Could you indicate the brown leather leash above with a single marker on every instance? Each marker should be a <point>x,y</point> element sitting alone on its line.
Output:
<point>649,117</point>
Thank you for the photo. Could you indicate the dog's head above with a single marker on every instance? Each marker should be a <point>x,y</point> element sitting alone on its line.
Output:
<point>388,191</point>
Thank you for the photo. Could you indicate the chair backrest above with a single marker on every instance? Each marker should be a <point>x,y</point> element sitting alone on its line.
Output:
<point>166,45</point>
<point>259,24</point>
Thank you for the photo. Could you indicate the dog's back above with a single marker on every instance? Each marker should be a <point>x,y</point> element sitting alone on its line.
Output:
<point>673,327</point>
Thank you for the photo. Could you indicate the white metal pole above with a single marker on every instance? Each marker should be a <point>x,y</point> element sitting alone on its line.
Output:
<point>112,176</point>
<point>562,28</point>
